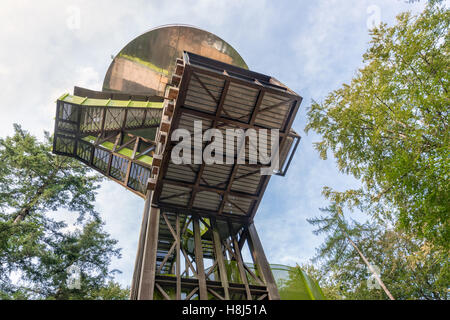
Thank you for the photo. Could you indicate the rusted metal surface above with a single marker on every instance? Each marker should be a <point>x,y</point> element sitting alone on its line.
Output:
<point>146,64</point>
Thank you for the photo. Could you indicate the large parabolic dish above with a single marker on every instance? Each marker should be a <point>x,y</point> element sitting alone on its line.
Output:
<point>145,64</point>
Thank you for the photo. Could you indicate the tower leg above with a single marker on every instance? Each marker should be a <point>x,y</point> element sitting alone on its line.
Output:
<point>140,251</point>
<point>148,268</point>
<point>220,259</point>
<point>212,257</point>
<point>203,293</point>
<point>261,262</point>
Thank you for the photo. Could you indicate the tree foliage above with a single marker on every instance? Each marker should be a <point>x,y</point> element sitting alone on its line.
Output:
<point>389,126</point>
<point>410,268</point>
<point>36,257</point>
<point>34,180</point>
<point>37,252</point>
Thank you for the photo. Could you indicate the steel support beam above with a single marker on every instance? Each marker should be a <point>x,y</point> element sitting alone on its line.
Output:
<point>140,250</point>
<point>147,276</point>
<point>261,262</point>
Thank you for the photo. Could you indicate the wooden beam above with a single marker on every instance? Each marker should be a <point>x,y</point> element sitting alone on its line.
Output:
<point>135,148</point>
<point>257,106</point>
<point>173,93</point>
<point>232,122</point>
<point>125,116</point>
<point>218,112</point>
<point>147,280</point>
<point>188,263</point>
<point>175,80</point>
<point>219,257</point>
<point>189,296</point>
<point>205,88</point>
<point>140,250</point>
<point>163,292</point>
<point>133,140</point>
<point>178,262</point>
<point>174,124</point>
<point>169,253</point>
<point>251,84</point>
<point>102,128</point>
<point>241,219</point>
<point>216,294</point>
<point>179,69</point>
<point>261,262</point>
<point>232,177</point>
<point>203,293</point>
<point>127,175</point>
<point>210,189</point>
<point>237,254</point>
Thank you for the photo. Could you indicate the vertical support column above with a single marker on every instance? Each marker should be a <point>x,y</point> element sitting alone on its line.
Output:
<point>147,277</point>
<point>240,263</point>
<point>77,135</point>
<point>219,257</point>
<point>178,264</point>
<point>140,251</point>
<point>102,128</point>
<point>261,262</point>
<point>203,293</point>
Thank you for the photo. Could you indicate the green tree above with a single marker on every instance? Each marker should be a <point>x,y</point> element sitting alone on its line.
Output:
<point>43,255</point>
<point>389,126</point>
<point>37,253</point>
<point>409,268</point>
<point>112,291</point>
<point>34,180</point>
<point>340,235</point>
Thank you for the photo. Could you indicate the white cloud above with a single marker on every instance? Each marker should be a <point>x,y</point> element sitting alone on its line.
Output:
<point>4,70</point>
<point>87,77</point>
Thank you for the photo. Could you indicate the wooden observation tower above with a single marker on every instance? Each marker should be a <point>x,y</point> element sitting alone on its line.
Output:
<point>197,226</point>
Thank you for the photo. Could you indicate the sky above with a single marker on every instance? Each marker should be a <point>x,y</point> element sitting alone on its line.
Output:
<point>48,47</point>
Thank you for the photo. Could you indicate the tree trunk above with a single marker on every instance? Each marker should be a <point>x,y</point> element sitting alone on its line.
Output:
<point>375,274</point>
<point>22,214</point>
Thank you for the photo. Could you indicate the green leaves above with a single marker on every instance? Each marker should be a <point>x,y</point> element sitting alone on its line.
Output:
<point>389,126</point>
<point>37,250</point>
<point>40,253</point>
<point>35,180</point>
<point>409,268</point>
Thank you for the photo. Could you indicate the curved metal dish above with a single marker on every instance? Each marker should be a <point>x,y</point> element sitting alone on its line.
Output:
<point>145,64</point>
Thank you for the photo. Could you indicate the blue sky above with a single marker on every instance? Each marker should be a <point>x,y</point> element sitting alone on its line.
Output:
<point>311,46</point>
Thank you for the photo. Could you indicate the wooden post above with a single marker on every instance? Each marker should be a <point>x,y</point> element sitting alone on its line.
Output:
<point>219,257</point>
<point>147,279</point>
<point>261,263</point>
<point>203,293</point>
<point>142,236</point>
<point>239,261</point>
<point>178,264</point>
